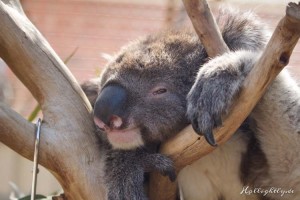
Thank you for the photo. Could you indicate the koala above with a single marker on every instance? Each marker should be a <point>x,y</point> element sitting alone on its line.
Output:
<point>159,84</point>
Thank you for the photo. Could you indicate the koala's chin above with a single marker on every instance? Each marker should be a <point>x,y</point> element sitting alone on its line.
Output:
<point>125,139</point>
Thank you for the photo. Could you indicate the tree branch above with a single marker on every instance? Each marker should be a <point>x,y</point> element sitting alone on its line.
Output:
<point>15,4</point>
<point>206,27</point>
<point>69,147</point>
<point>187,147</point>
<point>34,55</point>
<point>16,132</point>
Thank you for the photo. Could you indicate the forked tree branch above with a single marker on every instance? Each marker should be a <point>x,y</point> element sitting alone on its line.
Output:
<point>187,147</point>
<point>69,148</point>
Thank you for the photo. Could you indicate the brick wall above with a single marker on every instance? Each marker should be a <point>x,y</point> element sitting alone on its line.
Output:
<point>93,27</point>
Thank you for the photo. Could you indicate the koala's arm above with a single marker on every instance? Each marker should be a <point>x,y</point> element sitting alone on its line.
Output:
<point>276,116</point>
<point>218,83</point>
<point>124,172</point>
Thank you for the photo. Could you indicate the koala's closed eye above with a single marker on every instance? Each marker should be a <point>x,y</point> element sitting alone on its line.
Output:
<point>158,91</point>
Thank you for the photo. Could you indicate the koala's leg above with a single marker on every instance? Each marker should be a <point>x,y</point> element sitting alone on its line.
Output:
<point>277,117</point>
<point>217,84</point>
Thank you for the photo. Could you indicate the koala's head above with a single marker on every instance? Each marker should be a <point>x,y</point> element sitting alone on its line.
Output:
<point>142,94</point>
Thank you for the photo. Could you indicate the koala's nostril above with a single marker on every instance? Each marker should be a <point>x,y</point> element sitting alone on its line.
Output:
<point>100,124</point>
<point>115,122</point>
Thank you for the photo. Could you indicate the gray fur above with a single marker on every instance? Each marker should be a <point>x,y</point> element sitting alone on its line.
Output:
<point>125,172</point>
<point>171,60</point>
<point>217,83</point>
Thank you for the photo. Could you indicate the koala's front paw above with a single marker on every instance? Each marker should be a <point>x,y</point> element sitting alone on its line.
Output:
<point>170,172</point>
<point>165,166</point>
<point>161,163</point>
<point>213,92</point>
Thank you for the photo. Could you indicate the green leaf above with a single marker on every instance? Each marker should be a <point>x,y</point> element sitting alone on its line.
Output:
<point>70,56</point>
<point>34,113</point>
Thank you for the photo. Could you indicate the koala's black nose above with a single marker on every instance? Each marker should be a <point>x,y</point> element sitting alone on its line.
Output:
<point>110,103</point>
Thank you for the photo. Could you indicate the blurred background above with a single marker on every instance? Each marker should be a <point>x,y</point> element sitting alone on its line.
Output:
<point>89,30</point>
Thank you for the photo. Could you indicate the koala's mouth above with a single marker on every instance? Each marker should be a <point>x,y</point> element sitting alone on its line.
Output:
<point>127,138</point>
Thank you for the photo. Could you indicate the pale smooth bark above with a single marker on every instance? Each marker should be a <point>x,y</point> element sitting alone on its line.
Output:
<point>69,148</point>
<point>206,27</point>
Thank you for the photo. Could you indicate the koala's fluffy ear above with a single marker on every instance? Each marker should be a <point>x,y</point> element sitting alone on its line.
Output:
<point>91,90</point>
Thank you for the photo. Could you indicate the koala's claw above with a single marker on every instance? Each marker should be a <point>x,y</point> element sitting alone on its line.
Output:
<point>166,167</point>
<point>209,137</point>
<point>171,174</point>
<point>196,126</point>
